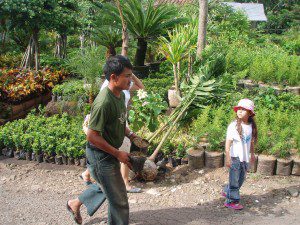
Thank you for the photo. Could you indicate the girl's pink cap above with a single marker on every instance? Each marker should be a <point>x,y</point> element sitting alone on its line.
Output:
<point>245,104</point>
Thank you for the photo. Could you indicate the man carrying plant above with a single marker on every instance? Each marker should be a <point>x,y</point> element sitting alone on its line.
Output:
<point>107,129</point>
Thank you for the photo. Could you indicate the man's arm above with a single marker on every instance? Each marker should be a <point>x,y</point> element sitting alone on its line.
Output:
<point>96,139</point>
<point>130,134</point>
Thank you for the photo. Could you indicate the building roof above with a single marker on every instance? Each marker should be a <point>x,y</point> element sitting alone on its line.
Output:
<point>254,11</point>
<point>179,2</point>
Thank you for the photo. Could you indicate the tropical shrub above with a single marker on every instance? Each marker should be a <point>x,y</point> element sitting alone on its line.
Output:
<point>71,90</point>
<point>159,86</point>
<point>10,60</point>
<point>88,64</point>
<point>16,84</point>
<point>52,62</point>
<point>145,109</point>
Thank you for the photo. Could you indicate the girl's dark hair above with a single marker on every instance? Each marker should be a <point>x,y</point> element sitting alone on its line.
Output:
<point>115,65</point>
<point>240,129</point>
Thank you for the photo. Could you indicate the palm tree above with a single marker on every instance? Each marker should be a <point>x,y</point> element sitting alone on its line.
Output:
<point>177,46</point>
<point>109,37</point>
<point>145,21</point>
<point>203,13</point>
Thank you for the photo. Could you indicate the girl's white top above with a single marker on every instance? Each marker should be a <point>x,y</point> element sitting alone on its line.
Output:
<point>240,148</point>
<point>126,92</point>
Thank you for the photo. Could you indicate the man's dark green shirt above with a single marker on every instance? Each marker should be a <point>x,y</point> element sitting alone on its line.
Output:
<point>108,116</point>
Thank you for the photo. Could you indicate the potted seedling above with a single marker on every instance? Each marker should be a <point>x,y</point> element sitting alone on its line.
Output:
<point>70,153</point>
<point>284,163</point>
<point>59,152</point>
<point>196,157</point>
<point>214,157</point>
<point>282,150</point>
<point>180,153</point>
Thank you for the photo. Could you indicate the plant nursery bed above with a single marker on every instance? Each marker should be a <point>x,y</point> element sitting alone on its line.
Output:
<point>17,111</point>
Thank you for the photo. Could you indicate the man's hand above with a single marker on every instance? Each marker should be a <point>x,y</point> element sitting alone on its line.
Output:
<point>123,157</point>
<point>132,136</point>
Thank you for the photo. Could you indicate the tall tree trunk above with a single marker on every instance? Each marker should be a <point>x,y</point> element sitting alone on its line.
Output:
<point>32,53</point>
<point>3,34</point>
<point>28,56</point>
<point>57,46</point>
<point>81,38</point>
<point>140,54</point>
<point>125,37</point>
<point>111,51</point>
<point>61,46</point>
<point>3,37</point>
<point>36,49</point>
<point>203,13</point>
<point>176,79</point>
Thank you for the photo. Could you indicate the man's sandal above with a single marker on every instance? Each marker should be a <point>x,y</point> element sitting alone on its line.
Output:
<point>76,215</point>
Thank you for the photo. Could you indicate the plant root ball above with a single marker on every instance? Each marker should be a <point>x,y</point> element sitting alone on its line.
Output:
<point>149,171</point>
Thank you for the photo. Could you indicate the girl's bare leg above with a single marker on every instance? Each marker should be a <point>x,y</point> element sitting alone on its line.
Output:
<point>86,176</point>
<point>125,175</point>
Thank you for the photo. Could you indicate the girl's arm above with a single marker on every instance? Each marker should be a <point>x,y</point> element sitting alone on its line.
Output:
<point>137,83</point>
<point>252,158</point>
<point>227,152</point>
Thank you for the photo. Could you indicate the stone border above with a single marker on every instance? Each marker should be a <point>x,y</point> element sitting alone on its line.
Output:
<point>264,164</point>
<point>249,84</point>
<point>22,109</point>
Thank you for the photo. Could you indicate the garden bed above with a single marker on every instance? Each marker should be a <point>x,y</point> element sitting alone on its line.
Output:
<point>17,111</point>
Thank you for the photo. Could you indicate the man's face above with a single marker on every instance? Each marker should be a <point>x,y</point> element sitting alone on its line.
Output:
<point>123,81</point>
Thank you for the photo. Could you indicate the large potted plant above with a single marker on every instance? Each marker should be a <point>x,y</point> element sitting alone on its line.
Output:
<point>266,162</point>
<point>176,47</point>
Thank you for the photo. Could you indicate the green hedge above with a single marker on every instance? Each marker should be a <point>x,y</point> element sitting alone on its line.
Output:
<point>268,64</point>
<point>61,135</point>
<point>276,118</point>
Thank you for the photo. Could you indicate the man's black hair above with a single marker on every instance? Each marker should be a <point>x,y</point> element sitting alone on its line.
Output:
<point>115,65</point>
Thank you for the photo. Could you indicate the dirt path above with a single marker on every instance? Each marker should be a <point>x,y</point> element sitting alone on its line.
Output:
<point>36,194</point>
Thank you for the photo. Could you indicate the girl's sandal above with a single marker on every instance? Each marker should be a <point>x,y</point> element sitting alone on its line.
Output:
<point>233,205</point>
<point>86,182</point>
<point>76,215</point>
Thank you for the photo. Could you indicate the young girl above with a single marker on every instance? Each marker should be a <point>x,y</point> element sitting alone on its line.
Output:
<point>240,140</point>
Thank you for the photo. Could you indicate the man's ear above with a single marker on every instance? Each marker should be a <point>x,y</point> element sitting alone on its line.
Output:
<point>113,77</point>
